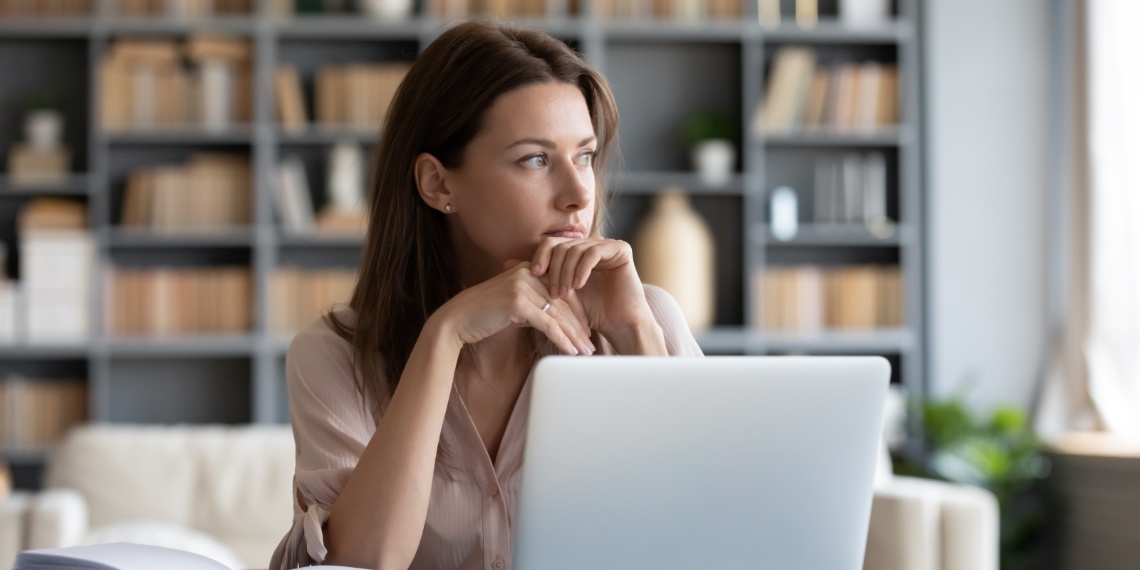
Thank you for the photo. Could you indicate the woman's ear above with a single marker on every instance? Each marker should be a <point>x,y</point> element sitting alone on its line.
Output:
<point>431,182</point>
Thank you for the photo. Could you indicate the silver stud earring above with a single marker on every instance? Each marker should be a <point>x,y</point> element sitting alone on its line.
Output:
<point>447,208</point>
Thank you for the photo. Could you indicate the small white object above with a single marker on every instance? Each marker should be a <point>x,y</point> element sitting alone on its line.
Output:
<point>864,13</point>
<point>346,177</point>
<point>388,9</point>
<point>44,129</point>
<point>9,304</point>
<point>784,208</point>
<point>714,160</point>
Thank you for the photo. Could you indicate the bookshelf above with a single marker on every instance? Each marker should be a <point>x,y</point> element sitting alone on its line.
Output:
<point>660,70</point>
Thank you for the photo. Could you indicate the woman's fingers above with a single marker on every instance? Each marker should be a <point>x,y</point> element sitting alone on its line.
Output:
<point>571,328</point>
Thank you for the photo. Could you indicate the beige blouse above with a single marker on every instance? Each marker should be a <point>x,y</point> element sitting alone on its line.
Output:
<point>471,511</point>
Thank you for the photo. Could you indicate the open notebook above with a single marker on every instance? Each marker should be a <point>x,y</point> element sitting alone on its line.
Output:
<point>119,556</point>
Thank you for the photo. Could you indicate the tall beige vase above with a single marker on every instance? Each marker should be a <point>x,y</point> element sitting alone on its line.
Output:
<point>673,249</point>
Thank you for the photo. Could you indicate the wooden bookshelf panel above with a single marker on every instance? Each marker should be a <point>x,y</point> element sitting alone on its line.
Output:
<point>654,84</point>
<point>179,390</point>
<point>45,72</point>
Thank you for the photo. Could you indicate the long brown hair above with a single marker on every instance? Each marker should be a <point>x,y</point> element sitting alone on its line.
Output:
<point>409,267</point>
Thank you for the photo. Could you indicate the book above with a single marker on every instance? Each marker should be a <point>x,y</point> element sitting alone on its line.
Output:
<point>810,299</point>
<point>290,99</point>
<point>114,556</point>
<point>294,201</point>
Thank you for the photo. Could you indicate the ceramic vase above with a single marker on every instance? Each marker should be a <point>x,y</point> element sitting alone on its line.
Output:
<point>864,13</point>
<point>713,159</point>
<point>674,250</point>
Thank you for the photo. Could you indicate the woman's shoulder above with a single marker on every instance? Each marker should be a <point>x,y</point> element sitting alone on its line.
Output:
<point>319,340</point>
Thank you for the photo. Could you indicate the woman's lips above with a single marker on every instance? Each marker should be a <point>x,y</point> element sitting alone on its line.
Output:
<point>565,234</point>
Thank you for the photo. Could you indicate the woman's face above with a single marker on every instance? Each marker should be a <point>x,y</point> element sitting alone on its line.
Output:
<point>526,175</point>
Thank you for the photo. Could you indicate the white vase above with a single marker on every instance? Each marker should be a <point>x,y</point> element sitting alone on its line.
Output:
<point>44,129</point>
<point>346,177</point>
<point>864,13</point>
<point>674,250</point>
<point>388,9</point>
<point>713,160</point>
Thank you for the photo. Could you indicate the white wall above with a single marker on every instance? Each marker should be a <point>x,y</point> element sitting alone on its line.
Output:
<point>987,110</point>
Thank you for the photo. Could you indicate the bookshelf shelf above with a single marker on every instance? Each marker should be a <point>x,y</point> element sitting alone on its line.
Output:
<point>347,28</point>
<point>830,31</point>
<point>141,238</point>
<point>328,136</point>
<point>637,183</point>
<point>237,136</point>
<point>41,28</point>
<point>74,185</point>
<point>231,25</point>
<point>43,351</point>
<point>845,235</point>
<point>888,138</point>
<point>868,341</point>
<point>25,454</point>
<point>317,240</point>
<point>204,346</point>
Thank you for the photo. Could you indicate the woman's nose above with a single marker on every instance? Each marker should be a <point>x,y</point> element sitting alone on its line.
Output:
<point>576,188</point>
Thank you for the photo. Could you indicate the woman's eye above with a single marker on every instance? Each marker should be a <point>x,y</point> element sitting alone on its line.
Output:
<point>586,158</point>
<point>534,161</point>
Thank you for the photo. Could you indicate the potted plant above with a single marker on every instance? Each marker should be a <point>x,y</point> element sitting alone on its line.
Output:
<point>43,125</point>
<point>997,452</point>
<point>709,137</point>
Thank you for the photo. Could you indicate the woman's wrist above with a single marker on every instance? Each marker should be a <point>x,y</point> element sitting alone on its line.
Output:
<point>642,336</point>
<point>441,329</point>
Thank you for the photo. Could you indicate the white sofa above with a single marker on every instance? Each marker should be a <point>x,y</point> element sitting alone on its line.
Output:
<point>225,492</point>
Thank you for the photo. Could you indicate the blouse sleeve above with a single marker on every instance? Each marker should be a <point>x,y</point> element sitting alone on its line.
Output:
<point>331,428</point>
<point>679,340</point>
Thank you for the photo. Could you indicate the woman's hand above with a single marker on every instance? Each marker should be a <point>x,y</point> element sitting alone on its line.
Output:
<point>599,274</point>
<point>515,298</point>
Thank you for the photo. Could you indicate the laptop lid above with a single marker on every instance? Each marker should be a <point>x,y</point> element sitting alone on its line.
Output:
<point>717,462</point>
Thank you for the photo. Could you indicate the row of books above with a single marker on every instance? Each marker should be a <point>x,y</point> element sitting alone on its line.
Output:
<point>210,191</point>
<point>688,10</point>
<point>811,298</point>
<point>347,96</point>
<point>153,84</point>
<point>852,189</point>
<point>301,295</point>
<point>182,8</point>
<point>179,301</point>
<point>448,9</point>
<point>36,412</point>
<point>44,8</point>
<point>802,94</point>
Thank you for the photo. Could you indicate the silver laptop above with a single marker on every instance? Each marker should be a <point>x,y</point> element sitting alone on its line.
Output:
<point>718,462</point>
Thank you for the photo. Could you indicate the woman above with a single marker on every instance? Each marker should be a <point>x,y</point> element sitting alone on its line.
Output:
<point>483,253</point>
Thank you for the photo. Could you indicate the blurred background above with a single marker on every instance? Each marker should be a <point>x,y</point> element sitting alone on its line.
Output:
<point>947,183</point>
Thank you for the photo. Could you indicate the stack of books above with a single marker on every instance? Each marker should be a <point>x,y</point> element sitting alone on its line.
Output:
<point>802,95</point>
<point>56,258</point>
<point>36,412</point>
<point>811,298</point>
<point>181,8</point>
<point>448,9</point>
<point>180,301</point>
<point>155,84</point>
<point>210,192</point>
<point>684,10</point>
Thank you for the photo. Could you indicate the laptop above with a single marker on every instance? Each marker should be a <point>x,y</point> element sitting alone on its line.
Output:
<point>717,462</point>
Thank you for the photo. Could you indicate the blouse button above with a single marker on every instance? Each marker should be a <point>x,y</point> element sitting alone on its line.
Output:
<point>498,564</point>
<point>493,490</point>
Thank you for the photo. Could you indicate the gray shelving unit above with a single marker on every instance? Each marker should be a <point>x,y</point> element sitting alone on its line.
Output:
<point>660,71</point>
